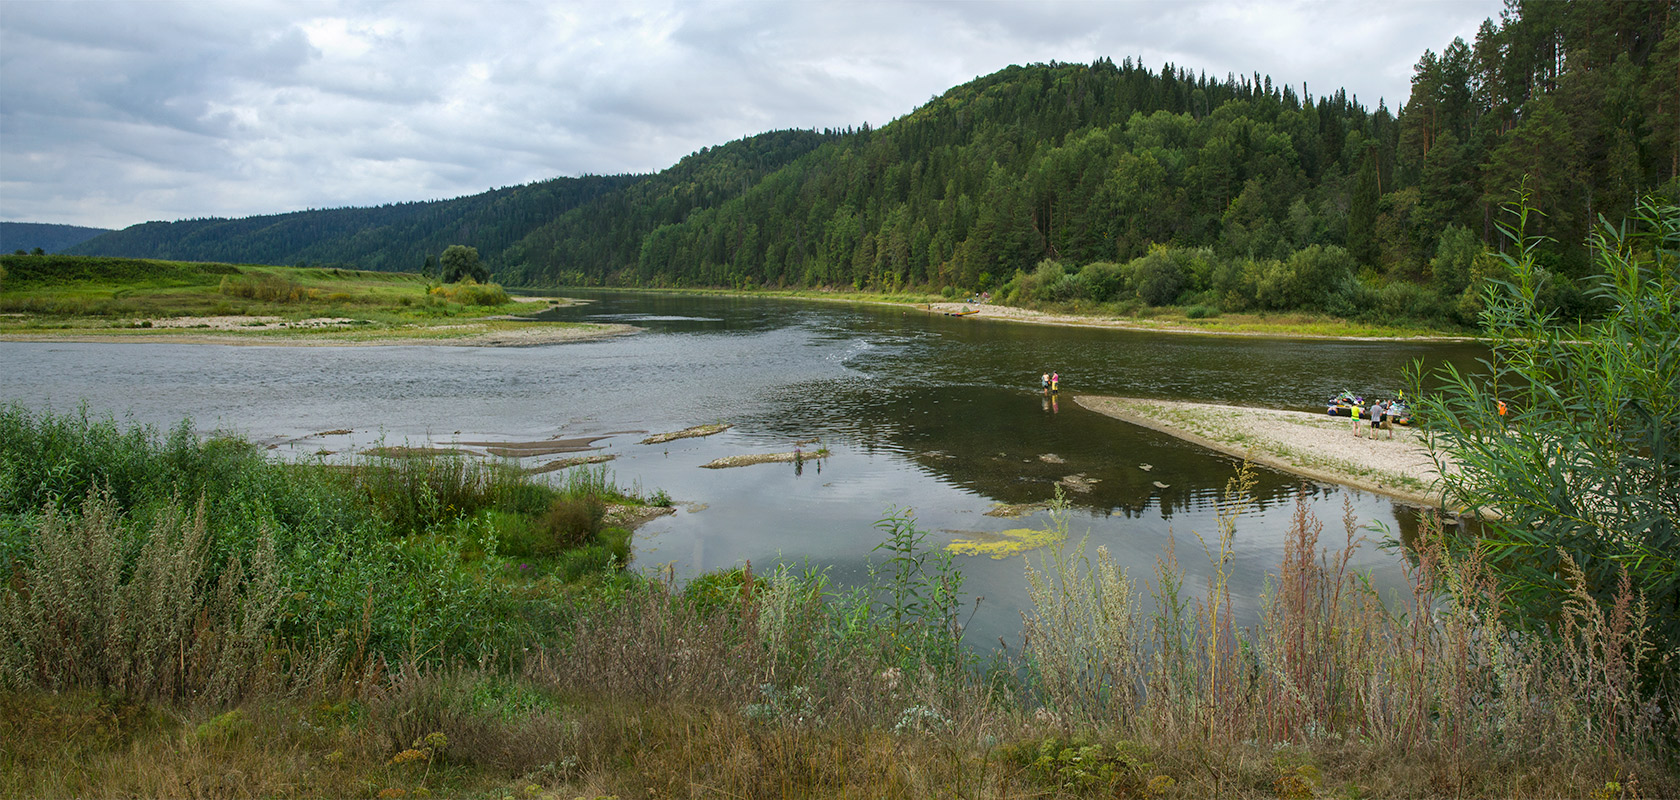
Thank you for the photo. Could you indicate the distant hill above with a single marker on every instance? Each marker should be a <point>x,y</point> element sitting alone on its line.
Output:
<point>27,236</point>
<point>391,238</point>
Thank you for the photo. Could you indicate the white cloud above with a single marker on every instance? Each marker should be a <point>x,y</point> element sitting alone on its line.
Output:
<point>113,113</point>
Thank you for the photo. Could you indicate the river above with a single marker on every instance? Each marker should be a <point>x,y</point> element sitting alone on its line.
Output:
<point>935,414</point>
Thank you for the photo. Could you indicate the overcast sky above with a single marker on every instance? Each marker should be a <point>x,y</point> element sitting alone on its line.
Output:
<point>115,113</point>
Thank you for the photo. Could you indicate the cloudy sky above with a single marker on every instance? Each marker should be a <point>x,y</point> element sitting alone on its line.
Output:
<point>115,113</point>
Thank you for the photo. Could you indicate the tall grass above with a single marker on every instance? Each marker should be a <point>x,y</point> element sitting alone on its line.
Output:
<point>158,625</point>
<point>1439,680</point>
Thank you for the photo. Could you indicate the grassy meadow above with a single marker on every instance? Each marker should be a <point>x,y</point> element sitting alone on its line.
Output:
<point>183,616</point>
<point>51,296</point>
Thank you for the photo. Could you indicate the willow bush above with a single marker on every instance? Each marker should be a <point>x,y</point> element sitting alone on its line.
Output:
<point>1569,440</point>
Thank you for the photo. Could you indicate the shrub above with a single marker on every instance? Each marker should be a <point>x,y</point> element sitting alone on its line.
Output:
<point>1102,280</point>
<point>570,522</point>
<point>471,293</point>
<point>1585,467</point>
<point>167,623</point>
<point>268,288</point>
<point>1159,277</point>
<point>1201,312</point>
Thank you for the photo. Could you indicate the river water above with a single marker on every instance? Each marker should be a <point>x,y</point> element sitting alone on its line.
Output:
<point>935,414</point>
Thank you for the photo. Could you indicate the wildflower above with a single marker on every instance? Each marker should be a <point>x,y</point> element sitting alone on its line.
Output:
<point>408,755</point>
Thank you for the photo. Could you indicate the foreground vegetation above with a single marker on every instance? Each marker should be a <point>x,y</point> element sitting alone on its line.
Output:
<point>183,616</point>
<point>48,295</point>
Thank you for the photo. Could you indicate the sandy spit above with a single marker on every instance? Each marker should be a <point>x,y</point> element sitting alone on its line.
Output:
<point>1317,446</point>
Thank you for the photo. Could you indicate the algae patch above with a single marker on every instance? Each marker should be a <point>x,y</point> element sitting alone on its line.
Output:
<point>1004,543</point>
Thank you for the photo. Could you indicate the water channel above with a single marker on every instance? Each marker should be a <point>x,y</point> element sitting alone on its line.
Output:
<point>936,414</point>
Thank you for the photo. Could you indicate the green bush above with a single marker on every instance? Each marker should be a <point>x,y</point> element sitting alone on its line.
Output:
<point>377,558</point>
<point>471,293</point>
<point>572,521</point>
<point>1102,280</point>
<point>1159,277</point>
<point>1585,467</point>
<point>1201,312</point>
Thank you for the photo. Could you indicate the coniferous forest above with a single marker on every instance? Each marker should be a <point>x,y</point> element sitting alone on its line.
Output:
<point>1101,183</point>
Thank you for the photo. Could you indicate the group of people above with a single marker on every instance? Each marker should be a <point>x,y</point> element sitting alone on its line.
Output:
<point>1380,413</point>
<point>1050,382</point>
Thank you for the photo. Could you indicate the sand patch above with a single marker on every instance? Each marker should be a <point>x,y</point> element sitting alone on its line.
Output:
<point>405,451</point>
<point>763,458</point>
<point>576,461</point>
<point>633,517</point>
<point>546,447</point>
<point>688,433</point>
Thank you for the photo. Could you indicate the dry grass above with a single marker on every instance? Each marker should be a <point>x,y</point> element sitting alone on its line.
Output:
<point>156,628</point>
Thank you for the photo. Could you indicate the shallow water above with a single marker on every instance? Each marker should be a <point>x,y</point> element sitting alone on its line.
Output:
<point>932,413</point>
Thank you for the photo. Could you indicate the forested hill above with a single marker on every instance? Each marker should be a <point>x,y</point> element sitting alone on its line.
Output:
<point>50,238</point>
<point>499,222</point>
<point>1063,181</point>
<point>1073,162</point>
<point>397,237</point>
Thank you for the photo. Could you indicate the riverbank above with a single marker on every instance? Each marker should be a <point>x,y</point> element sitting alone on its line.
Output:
<point>1315,446</point>
<point>1166,319</point>
<point>1283,326</point>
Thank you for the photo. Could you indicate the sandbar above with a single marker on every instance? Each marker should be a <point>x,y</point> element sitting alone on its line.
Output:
<point>1316,446</point>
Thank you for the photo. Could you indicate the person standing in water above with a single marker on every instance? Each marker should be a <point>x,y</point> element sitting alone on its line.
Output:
<point>1055,379</point>
<point>1044,382</point>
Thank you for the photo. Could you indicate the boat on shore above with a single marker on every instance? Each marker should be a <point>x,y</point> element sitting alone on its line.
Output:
<point>1342,406</point>
<point>966,311</point>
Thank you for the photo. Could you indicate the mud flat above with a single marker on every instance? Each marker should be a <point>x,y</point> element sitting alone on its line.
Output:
<point>1316,446</point>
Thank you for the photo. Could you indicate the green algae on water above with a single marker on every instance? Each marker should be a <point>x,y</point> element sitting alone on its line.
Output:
<point>1004,544</point>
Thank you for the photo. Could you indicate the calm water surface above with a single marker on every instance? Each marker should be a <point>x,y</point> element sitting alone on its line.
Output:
<point>931,413</point>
